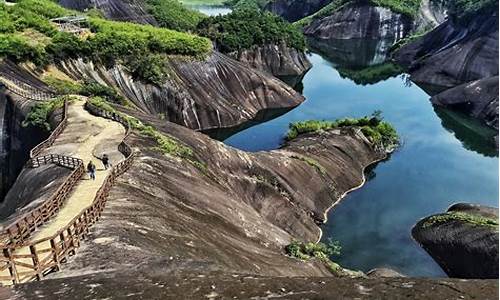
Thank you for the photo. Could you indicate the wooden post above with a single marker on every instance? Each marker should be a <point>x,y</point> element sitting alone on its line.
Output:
<point>55,255</point>
<point>36,262</point>
<point>7,252</point>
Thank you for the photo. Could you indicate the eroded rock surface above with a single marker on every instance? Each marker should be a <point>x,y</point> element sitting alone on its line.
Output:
<point>464,247</point>
<point>131,10</point>
<point>212,93</point>
<point>279,60</point>
<point>360,20</point>
<point>150,284</point>
<point>234,216</point>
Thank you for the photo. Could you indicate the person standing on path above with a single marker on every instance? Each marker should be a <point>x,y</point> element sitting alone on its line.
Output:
<point>91,170</point>
<point>105,161</point>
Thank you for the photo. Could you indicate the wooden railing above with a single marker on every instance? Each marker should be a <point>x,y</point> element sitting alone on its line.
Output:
<point>34,259</point>
<point>25,90</point>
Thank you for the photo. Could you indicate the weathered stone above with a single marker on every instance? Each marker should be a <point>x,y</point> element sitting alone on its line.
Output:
<point>360,20</point>
<point>463,248</point>
<point>278,60</point>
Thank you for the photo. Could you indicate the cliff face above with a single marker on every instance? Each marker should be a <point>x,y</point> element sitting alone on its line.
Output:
<point>464,249</point>
<point>453,54</point>
<point>460,58</point>
<point>15,140</point>
<point>279,60</point>
<point>360,20</point>
<point>212,93</point>
<point>131,10</point>
<point>293,10</point>
<point>235,216</point>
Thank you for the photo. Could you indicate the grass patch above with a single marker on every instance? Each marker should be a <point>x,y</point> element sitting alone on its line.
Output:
<point>165,144</point>
<point>247,27</point>
<point>312,162</point>
<point>373,127</point>
<point>474,220</point>
<point>39,114</point>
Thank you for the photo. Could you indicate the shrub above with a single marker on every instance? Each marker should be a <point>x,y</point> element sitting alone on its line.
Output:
<point>373,127</point>
<point>173,15</point>
<point>308,250</point>
<point>244,28</point>
<point>40,112</point>
<point>18,48</point>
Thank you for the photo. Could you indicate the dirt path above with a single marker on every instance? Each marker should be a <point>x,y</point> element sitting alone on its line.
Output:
<point>85,136</point>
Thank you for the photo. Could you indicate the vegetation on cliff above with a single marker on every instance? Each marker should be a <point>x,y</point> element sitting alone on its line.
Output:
<point>464,10</point>
<point>247,27</point>
<point>39,114</point>
<point>142,49</point>
<point>173,15</point>
<point>321,251</point>
<point>87,88</point>
<point>474,220</point>
<point>373,127</point>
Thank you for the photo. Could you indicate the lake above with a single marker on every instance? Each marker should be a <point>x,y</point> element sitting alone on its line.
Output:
<point>445,157</point>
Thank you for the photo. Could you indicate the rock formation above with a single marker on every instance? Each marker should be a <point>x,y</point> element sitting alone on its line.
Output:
<point>235,215</point>
<point>360,20</point>
<point>461,58</point>
<point>278,60</point>
<point>154,284</point>
<point>463,241</point>
<point>213,93</point>
<point>293,10</point>
<point>132,10</point>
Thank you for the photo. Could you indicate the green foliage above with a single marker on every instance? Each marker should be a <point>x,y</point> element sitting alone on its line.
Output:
<point>464,10</point>
<point>40,112</point>
<point>371,74</point>
<point>242,4</point>
<point>244,28</point>
<point>18,48</point>
<point>309,250</point>
<point>373,127</point>
<point>88,88</point>
<point>173,15</point>
<point>143,49</point>
<point>471,219</point>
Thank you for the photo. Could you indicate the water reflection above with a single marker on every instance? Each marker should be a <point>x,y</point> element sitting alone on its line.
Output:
<point>262,116</point>
<point>471,133</point>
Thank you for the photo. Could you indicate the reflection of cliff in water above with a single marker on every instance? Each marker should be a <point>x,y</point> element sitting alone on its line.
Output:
<point>352,53</point>
<point>470,132</point>
<point>360,60</point>
<point>261,117</point>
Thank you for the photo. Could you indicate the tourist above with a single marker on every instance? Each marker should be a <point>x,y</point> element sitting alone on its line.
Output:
<point>105,161</point>
<point>91,170</point>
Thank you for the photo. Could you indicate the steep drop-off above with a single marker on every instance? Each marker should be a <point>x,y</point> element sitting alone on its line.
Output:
<point>276,59</point>
<point>359,20</point>
<point>213,93</point>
